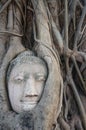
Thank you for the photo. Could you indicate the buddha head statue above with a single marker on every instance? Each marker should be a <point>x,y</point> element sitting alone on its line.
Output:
<point>26,78</point>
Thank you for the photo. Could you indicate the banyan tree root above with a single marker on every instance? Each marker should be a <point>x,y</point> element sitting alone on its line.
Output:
<point>47,111</point>
<point>78,58</point>
<point>14,47</point>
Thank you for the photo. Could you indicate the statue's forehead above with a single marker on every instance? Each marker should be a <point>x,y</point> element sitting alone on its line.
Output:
<point>29,69</point>
<point>23,58</point>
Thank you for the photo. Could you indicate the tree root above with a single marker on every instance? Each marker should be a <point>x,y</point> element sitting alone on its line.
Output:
<point>44,50</point>
<point>14,48</point>
<point>63,123</point>
<point>78,100</point>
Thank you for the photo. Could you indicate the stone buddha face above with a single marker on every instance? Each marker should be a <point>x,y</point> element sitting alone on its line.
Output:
<point>26,80</point>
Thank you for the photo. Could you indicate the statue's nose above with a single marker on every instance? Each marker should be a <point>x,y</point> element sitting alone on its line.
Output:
<point>30,88</point>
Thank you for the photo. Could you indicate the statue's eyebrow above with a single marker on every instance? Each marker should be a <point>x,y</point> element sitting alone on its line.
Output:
<point>17,75</point>
<point>41,74</point>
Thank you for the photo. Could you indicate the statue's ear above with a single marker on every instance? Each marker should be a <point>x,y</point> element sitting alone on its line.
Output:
<point>53,83</point>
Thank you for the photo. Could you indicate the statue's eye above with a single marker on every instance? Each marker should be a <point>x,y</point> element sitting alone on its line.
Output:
<point>40,78</point>
<point>19,79</point>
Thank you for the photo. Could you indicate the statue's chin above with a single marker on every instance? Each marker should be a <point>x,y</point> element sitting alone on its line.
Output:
<point>28,106</point>
<point>25,106</point>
